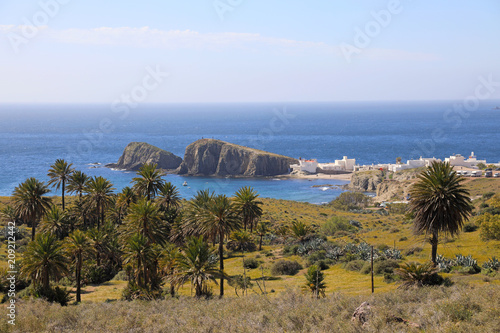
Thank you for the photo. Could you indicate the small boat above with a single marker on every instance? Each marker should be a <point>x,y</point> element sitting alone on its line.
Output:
<point>496,108</point>
<point>185,184</point>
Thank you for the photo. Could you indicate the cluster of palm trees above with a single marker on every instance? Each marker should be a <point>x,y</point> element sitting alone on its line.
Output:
<point>146,229</point>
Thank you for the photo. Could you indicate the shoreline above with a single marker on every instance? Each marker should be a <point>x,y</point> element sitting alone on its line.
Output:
<point>342,176</point>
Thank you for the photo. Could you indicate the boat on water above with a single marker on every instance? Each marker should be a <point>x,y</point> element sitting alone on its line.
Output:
<point>185,184</point>
<point>496,108</point>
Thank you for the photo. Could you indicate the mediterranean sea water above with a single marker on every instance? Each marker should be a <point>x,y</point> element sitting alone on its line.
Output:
<point>32,137</point>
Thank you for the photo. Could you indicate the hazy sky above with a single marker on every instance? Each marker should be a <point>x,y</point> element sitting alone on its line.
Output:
<point>246,50</point>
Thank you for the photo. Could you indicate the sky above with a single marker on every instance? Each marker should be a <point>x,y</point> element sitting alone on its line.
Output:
<point>211,51</point>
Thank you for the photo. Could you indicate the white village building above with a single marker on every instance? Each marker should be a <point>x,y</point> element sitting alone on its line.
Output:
<point>312,166</point>
<point>459,160</point>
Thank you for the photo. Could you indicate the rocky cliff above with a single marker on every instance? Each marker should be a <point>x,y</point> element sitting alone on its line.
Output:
<point>209,157</point>
<point>386,185</point>
<point>366,180</point>
<point>136,154</point>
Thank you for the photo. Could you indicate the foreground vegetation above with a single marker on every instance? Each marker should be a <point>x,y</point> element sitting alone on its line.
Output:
<point>145,243</point>
<point>460,308</point>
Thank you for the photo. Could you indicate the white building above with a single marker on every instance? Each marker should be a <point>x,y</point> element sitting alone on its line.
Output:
<point>312,166</point>
<point>412,164</point>
<point>459,160</point>
<point>305,166</point>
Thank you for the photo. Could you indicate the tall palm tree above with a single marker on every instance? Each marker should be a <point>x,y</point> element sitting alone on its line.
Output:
<point>198,264</point>
<point>55,222</point>
<point>262,229</point>
<point>168,263</point>
<point>77,182</point>
<point>219,218</point>
<point>194,210</point>
<point>169,196</point>
<point>144,218</point>
<point>59,174</point>
<point>439,203</point>
<point>44,259</point>
<point>247,205</point>
<point>30,203</point>
<point>138,252</point>
<point>100,239</point>
<point>99,191</point>
<point>79,246</point>
<point>149,180</point>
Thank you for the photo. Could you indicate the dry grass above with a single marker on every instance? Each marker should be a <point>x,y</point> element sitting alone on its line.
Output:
<point>461,308</point>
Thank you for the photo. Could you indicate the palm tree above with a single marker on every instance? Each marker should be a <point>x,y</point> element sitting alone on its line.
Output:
<point>55,222</point>
<point>195,209</point>
<point>144,218</point>
<point>78,246</point>
<point>99,238</point>
<point>198,264</point>
<point>99,191</point>
<point>138,252</point>
<point>44,259</point>
<point>439,202</point>
<point>149,181</point>
<point>169,196</point>
<point>299,230</point>
<point>247,205</point>
<point>59,173</point>
<point>315,281</point>
<point>219,218</point>
<point>262,229</point>
<point>77,182</point>
<point>9,214</point>
<point>30,203</point>
<point>168,262</point>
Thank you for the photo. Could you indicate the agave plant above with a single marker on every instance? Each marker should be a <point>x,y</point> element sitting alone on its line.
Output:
<point>444,264</point>
<point>393,254</point>
<point>468,261</point>
<point>492,263</point>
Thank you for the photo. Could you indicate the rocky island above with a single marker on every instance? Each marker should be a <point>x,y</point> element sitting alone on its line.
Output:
<point>136,154</point>
<point>210,157</point>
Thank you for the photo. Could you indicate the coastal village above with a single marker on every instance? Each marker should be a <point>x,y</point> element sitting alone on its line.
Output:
<point>465,166</point>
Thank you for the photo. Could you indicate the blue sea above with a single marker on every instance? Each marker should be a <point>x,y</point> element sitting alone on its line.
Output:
<point>32,137</point>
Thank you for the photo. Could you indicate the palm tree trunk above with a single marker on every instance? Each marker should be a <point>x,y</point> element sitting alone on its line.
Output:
<point>221,263</point>
<point>33,227</point>
<point>78,278</point>
<point>434,243</point>
<point>260,242</point>
<point>62,196</point>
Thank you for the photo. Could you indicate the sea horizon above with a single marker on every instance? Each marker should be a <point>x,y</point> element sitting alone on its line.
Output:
<point>32,137</point>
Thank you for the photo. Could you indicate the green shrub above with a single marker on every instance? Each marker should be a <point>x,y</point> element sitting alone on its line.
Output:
<point>488,195</point>
<point>285,267</point>
<point>250,263</point>
<point>120,276</point>
<point>469,227</point>
<point>404,238</point>
<point>385,266</point>
<point>51,294</point>
<point>355,265</point>
<point>351,200</point>
<point>336,224</point>
<point>289,249</point>
<point>490,227</point>
<point>382,247</point>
